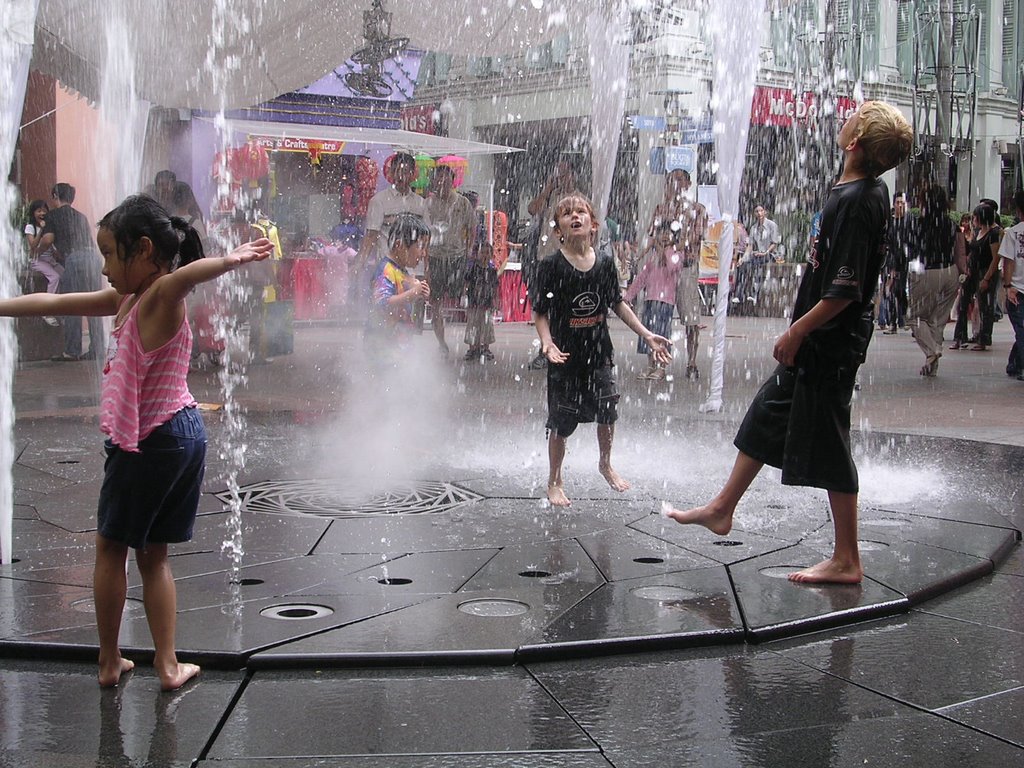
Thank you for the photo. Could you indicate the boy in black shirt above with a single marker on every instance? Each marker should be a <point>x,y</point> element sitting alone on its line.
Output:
<point>799,421</point>
<point>575,290</point>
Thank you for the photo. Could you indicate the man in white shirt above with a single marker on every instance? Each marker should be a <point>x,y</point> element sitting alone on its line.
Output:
<point>384,207</point>
<point>1011,252</point>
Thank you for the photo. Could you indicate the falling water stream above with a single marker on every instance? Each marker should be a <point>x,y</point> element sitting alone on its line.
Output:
<point>17,22</point>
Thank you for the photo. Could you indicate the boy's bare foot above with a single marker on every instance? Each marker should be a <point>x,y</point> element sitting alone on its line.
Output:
<point>828,572</point>
<point>557,497</point>
<point>715,519</point>
<point>110,673</point>
<point>178,676</point>
<point>615,480</point>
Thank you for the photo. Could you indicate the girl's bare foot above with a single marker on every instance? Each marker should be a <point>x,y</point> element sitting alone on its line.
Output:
<point>177,676</point>
<point>110,672</point>
<point>616,481</point>
<point>829,572</point>
<point>715,519</point>
<point>557,497</point>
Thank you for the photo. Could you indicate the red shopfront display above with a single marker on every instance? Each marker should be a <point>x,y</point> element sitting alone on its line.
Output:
<point>513,301</point>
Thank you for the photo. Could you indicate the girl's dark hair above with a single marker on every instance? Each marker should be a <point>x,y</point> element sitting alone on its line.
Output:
<point>407,229</point>
<point>34,206</point>
<point>175,241</point>
<point>985,214</point>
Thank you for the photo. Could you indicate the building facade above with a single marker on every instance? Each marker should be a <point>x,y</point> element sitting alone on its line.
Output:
<point>541,100</point>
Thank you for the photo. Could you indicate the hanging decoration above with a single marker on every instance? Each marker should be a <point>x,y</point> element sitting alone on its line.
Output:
<point>459,166</point>
<point>249,163</point>
<point>366,183</point>
<point>425,164</point>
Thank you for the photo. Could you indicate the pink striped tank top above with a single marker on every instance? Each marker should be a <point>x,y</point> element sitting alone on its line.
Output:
<point>142,390</point>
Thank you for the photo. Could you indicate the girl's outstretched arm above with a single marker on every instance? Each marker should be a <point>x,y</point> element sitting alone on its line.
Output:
<point>173,288</point>
<point>90,304</point>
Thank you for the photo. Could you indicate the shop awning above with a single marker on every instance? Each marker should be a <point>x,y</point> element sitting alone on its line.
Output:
<point>408,140</point>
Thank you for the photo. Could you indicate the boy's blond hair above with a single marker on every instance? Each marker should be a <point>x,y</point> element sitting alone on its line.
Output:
<point>884,136</point>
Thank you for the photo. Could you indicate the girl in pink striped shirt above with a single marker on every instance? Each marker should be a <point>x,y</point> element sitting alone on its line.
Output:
<point>658,276</point>
<point>156,446</point>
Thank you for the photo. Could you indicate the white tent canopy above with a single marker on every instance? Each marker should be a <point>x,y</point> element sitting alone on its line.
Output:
<point>407,140</point>
<point>236,53</point>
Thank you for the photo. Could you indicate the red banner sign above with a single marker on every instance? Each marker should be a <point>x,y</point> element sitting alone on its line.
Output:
<point>781,107</point>
<point>421,119</point>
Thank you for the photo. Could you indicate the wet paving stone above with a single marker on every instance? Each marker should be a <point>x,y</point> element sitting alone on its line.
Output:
<point>897,657</point>
<point>56,715</point>
<point>516,760</point>
<point>991,601</point>
<point>397,712</point>
<point>656,703</point>
<point>1001,714</point>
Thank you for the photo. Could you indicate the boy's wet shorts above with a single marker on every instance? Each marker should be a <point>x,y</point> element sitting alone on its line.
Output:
<point>799,422</point>
<point>580,395</point>
<point>153,495</point>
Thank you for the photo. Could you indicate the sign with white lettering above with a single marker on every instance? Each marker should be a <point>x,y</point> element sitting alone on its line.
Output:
<point>780,107</point>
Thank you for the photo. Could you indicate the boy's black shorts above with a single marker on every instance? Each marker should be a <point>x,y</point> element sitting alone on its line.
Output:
<point>580,395</point>
<point>799,422</point>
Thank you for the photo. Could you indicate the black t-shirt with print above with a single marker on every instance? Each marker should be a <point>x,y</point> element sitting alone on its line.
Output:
<point>845,264</point>
<point>577,305</point>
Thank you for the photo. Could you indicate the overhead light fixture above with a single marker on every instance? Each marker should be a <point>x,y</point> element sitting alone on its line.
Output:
<point>380,47</point>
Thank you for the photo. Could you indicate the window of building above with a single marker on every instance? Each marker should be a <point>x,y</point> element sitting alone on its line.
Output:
<point>1013,48</point>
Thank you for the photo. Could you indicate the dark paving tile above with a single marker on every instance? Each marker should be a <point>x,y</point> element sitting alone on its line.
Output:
<point>36,481</point>
<point>916,741</point>
<point>981,541</point>
<point>899,657</point>
<point>624,553</point>
<point>993,601</point>
<point>261,534</point>
<point>515,760</point>
<point>73,507</point>
<point>30,608</point>
<point>23,509</point>
<point>1001,714</point>
<point>38,534</point>
<point>187,564</point>
<point>57,715</point>
<point>262,580</point>
<point>486,524</point>
<point>972,511</point>
<point>773,606</point>
<point>488,625</point>
<point>396,712</point>
<point>738,545</point>
<point>1014,562</point>
<point>694,607</point>
<point>417,573</point>
<point>549,562</point>
<point>652,704</point>
<point>38,566</point>
<point>229,632</point>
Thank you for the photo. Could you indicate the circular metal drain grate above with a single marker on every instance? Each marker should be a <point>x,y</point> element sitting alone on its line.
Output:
<point>336,498</point>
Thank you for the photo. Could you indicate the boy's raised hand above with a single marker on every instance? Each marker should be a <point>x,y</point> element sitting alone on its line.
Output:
<point>662,348</point>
